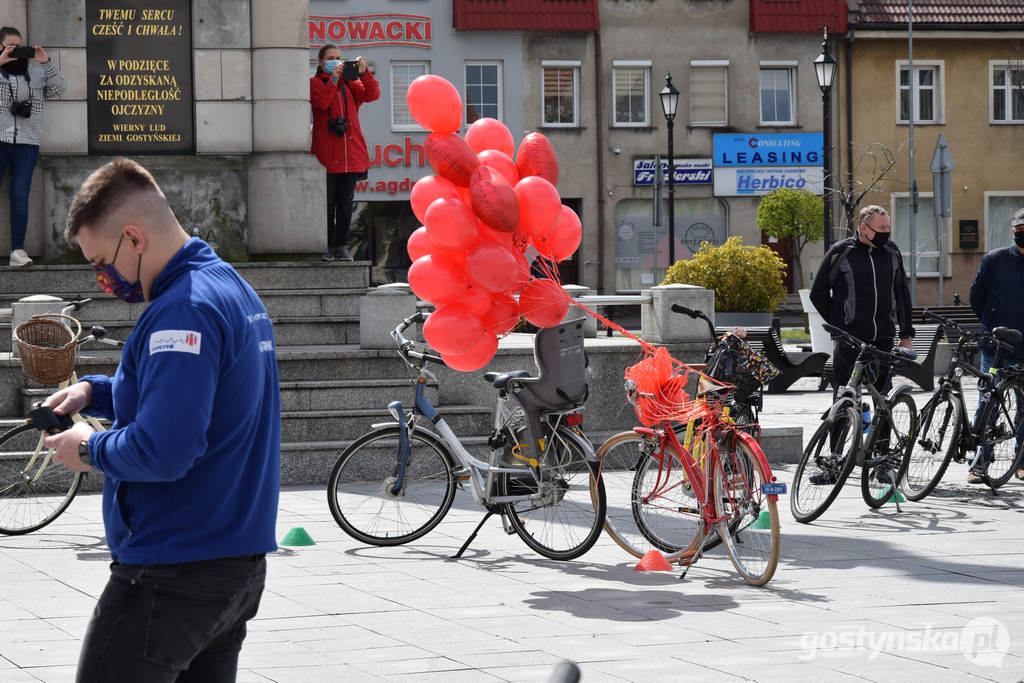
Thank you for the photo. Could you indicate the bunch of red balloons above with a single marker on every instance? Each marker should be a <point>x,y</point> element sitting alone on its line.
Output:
<point>487,205</point>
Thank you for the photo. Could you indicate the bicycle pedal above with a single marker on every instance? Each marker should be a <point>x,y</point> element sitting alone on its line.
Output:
<point>461,474</point>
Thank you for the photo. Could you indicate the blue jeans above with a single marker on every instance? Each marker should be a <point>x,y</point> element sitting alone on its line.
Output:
<point>175,622</point>
<point>987,358</point>
<point>22,160</point>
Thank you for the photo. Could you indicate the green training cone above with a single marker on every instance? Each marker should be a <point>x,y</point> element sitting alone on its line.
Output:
<point>297,536</point>
<point>894,496</point>
<point>764,521</point>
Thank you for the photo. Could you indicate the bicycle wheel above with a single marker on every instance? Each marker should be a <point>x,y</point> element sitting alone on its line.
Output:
<point>359,489</point>
<point>938,433</point>
<point>825,465</point>
<point>33,490</point>
<point>891,453</point>
<point>567,518</point>
<point>750,526</point>
<point>1004,422</point>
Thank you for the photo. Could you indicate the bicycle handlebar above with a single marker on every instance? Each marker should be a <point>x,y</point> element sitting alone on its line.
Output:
<point>966,336</point>
<point>695,314</point>
<point>407,348</point>
<point>899,355</point>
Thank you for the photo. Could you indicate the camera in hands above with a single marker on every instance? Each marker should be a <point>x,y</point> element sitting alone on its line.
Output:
<point>22,52</point>
<point>337,126</point>
<point>22,109</point>
<point>350,70</point>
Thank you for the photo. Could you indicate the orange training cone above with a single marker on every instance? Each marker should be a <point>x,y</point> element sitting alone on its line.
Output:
<point>653,561</point>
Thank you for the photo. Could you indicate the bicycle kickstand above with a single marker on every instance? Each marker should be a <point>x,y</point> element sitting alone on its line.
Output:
<point>473,535</point>
<point>894,489</point>
<point>696,555</point>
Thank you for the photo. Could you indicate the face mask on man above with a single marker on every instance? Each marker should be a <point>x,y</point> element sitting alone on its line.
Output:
<point>1018,238</point>
<point>112,282</point>
<point>879,239</point>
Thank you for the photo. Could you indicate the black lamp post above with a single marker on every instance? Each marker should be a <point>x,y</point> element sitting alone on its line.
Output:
<point>669,101</point>
<point>825,71</point>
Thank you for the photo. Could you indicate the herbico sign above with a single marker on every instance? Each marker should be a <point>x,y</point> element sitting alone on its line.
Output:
<point>139,61</point>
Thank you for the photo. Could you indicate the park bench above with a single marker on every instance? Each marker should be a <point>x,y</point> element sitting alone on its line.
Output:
<point>964,316</point>
<point>920,372</point>
<point>767,342</point>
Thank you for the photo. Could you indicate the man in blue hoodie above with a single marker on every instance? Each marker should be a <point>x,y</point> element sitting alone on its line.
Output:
<point>191,465</point>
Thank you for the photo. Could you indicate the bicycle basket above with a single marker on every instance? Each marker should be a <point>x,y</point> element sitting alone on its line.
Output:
<point>735,362</point>
<point>46,344</point>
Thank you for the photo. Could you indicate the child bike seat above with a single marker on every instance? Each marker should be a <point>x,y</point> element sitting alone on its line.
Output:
<point>561,360</point>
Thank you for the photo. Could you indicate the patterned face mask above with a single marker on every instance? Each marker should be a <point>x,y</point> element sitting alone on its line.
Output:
<point>112,282</point>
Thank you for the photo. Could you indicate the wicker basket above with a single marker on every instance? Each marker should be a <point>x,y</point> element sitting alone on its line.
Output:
<point>46,344</point>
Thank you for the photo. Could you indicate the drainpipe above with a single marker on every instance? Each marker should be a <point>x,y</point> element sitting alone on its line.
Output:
<point>599,124</point>
<point>849,115</point>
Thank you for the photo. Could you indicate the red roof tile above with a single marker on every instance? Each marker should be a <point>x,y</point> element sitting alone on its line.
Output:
<point>944,12</point>
<point>797,16</point>
<point>524,15</point>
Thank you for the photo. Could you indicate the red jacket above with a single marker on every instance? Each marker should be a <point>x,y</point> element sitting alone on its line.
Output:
<point>346,154</point>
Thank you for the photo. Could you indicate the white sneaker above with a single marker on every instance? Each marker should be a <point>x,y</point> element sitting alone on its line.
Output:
<point>19,259</point>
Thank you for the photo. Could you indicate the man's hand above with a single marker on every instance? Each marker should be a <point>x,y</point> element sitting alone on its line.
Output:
<point>74,399</point>
<point>66,447</point>
<point>5,55</point>
<point>41,55</point>
<point>906,342</point>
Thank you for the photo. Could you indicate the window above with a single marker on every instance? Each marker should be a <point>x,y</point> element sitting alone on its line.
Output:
<point>561,83</point>
<point>928,103</point>
<point>778,94</point>
<point>999,208</point>
<point>925,231</point>
<point>1007,105</point>
<point>402,74</point>
<point>709,92</point>
<point>483,91</point>
<point>630,85</point>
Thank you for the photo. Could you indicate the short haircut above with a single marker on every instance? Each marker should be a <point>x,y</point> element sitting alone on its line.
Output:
<point>106,190</point>
<point>869,212</point>
<point>8,31</point>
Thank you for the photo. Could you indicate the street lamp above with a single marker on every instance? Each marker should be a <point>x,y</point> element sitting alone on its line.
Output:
<point>825,71</point>
<point>669,101</point>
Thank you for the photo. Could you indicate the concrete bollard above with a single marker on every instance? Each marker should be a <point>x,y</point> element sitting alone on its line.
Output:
<point>659,324</point>
<point>23,309</point>
<point>380,311</point>
<point>590,323</point>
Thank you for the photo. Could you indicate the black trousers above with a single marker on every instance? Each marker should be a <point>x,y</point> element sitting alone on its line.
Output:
<point>844,358</point>
<point>341,191</point>
<point>175,622</point>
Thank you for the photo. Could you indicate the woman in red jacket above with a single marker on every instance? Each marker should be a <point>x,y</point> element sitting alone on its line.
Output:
<point>338,140</point>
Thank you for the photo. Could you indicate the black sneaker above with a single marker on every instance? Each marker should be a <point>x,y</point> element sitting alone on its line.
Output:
<point>327,256</point>
<point>342,254</point>
<point>824,477</point>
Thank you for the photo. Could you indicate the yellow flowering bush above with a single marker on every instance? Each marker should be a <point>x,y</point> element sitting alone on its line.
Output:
<point>744,278</point>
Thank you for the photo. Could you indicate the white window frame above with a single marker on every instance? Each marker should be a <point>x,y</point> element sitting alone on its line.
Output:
<point>645,65</point>
<point>993,65</point>
<point>712,64</point>
<point>938,90</point>
<point>924,218</point>
<point>465,86</point>
<point>573,64</point>
<point>791,66</point>
<point>400,97</point>
<point>987,244</point>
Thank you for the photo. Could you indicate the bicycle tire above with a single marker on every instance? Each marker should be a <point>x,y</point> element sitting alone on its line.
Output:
<point>358,490</point>
<point>27,505</point>
<point>938,435</point>
<point>1004,420</point>
<point>878,480</point>
<point>845,430</point>
<point>750,533</point>
<point>551,525</point>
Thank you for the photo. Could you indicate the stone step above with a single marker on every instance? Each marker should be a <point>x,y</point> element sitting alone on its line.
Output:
<point>350,394</point>
<point>340,425</point>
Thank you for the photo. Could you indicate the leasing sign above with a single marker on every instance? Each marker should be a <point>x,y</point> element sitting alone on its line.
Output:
<point>751,164</point>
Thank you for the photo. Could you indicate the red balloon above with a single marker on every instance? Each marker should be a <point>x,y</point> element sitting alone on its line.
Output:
<point>437,279</point>
<point>493,199</point>
<point>488,234</point>
<point>492,266</point>
<point>539,206</point>
<point>477,357</point>
<point>502,316</point>
<point>427,189</point>
<point>452,329</point>
<point>537,157</point>
<point>451,157</point>
<point>522,273</point>
<point>435,104</point>
<point>419,244</point>
<point>500,162</point>
<point>544,303</point>
<point>490,134</point>
<point>564,237</point>
<point>477,299</point>
<point>451,224</point>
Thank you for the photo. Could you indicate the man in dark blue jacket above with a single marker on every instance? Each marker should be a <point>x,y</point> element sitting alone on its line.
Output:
<point>996,298</point>
<point>192,463</point>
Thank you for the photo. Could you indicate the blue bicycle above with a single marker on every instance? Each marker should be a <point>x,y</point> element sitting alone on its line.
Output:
<point>397,482</point>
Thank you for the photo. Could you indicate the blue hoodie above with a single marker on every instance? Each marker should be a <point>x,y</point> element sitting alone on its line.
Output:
<point>192,463</point>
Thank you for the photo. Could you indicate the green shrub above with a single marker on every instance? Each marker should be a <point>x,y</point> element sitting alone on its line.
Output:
<point>744,279</point>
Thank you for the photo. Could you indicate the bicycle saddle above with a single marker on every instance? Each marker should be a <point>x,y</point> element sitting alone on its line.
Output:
<point>500,379</point>
<point>904,352</point>
<point>1008,335</point>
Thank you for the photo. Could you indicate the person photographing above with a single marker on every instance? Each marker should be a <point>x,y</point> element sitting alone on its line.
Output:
<point>336,92</point>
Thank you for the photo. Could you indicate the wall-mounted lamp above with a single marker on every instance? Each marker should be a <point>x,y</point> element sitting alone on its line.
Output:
<point>616,150</point>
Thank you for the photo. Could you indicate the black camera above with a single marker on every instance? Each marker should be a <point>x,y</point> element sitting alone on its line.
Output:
<point>22,109</point>
<point>23,52</point>
<point>337,126</point>
<point>350,70</point>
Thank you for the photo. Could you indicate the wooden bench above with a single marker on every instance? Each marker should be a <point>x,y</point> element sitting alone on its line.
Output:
<point>964,316</point>
<point>767,341</point>
<point>922,371</point>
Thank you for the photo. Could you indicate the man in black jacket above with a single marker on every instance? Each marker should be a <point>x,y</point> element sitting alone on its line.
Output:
<point>861,287</point>
<point>996,298</point>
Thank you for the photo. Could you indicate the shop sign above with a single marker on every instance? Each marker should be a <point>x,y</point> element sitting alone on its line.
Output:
<point>370,30</point>
<point>688,171</point>
<point>770,149</point>
<point>751,181</point>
